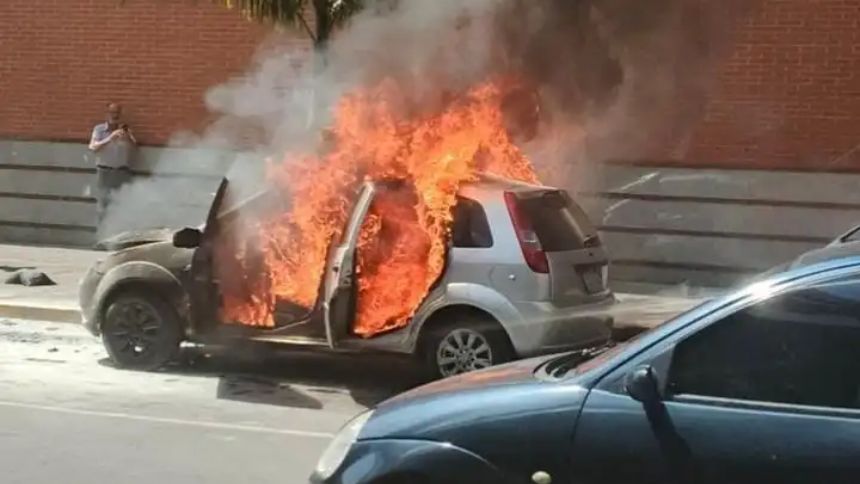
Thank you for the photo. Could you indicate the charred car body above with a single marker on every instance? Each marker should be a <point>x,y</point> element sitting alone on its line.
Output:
<point>525,275</point>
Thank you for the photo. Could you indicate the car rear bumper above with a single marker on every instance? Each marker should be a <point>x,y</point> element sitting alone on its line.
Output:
<point>546,328</point>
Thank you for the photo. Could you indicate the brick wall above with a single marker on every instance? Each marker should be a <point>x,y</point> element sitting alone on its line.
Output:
<point>61,61</point>
<point>789,95</point>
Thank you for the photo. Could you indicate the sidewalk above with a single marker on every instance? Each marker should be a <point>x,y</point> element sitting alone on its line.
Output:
<point>66,267</point>
<point>49,303</point>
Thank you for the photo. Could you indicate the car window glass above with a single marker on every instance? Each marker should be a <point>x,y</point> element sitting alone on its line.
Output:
<point>470,227</point>
<point>559,222</point>
<point>798,348</point>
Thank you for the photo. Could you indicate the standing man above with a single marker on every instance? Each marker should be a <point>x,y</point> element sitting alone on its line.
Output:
<point>112,142</point>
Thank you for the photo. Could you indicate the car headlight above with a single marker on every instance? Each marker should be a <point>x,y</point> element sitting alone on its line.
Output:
<point>336,452</point>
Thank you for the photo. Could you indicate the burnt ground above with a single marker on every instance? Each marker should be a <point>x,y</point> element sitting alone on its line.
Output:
<point>256,416</point>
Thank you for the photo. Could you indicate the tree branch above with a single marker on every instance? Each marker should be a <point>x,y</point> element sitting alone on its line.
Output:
<point>304,22</point>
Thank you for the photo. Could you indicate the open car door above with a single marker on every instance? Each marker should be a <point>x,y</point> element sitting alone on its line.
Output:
<point>340,290</point>
<point>203,292</point>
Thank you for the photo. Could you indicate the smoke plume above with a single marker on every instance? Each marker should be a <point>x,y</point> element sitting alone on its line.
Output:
<point>611,79</point>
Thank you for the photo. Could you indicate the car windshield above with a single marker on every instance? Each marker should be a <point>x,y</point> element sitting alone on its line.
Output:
<point>579,362</point>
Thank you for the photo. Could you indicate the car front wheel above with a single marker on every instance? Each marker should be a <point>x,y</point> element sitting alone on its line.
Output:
<point>140,332</point>
<point>471,343</point>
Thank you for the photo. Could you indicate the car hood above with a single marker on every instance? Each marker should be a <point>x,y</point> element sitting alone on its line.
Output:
<point>161,253</point>
<point>134,238</point>
<point>502,375</point>
<point>505,414</point>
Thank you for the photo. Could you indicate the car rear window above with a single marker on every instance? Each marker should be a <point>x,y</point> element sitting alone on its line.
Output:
<point>471,228</point>
<point>559,222</point>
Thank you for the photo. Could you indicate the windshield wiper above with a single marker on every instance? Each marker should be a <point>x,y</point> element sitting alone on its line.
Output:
<point>563,364</point>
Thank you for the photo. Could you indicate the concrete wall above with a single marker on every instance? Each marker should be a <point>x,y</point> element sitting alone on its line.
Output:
<point>668,225</point>
<point>714,227</point>
<point>47,192</point>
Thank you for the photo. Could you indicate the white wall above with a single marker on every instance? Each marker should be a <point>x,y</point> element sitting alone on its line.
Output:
<point>47,190</point>
<point>713,227</point>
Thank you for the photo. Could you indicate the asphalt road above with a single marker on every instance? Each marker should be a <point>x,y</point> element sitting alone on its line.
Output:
<point>67,416</point>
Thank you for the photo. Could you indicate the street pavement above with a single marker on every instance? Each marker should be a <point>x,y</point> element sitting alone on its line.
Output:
<point>67,416</point>
<point>257,416</point>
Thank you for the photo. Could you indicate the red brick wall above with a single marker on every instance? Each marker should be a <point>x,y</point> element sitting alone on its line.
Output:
<point>789,95</point>
<point>61,61</point>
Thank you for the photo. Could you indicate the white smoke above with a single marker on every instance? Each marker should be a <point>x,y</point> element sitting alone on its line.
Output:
<point>617,79</point>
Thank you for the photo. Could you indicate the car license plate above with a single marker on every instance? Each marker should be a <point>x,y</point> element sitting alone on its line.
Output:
<point>593,280</point>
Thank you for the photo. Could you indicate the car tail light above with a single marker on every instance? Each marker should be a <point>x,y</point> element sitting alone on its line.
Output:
<point>529,243</point>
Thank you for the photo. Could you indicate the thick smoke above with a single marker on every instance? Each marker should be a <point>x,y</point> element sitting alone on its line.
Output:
<point>613,79</point>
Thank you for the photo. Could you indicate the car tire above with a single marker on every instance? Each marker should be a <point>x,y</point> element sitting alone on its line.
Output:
<point>140,332</point>
<point>470,342</point>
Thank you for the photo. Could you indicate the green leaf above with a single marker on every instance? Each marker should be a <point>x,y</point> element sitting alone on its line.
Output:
<point>291,12</point>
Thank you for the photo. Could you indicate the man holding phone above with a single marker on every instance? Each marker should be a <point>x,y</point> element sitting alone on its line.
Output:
<point>112,142</point>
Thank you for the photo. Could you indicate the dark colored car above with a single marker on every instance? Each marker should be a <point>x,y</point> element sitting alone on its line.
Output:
<point>761,385</point>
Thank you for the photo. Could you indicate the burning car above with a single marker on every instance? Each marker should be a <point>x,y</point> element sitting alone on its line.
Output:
<point>524,274</point>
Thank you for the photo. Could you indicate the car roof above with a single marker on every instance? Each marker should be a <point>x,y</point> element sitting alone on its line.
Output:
<point>484,183</point>
<point>488,181</point>
<point>487,186</point>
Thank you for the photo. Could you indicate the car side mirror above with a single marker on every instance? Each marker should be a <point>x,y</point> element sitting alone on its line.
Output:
<point>187,238</point>
<point>642,385</point>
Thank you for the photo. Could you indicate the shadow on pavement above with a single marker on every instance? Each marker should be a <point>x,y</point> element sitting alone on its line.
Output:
<point>264,390</point>
<point>262,374</point>
<point>266,374</point>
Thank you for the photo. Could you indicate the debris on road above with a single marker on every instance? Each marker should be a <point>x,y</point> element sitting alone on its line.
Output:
<point>30,277</point>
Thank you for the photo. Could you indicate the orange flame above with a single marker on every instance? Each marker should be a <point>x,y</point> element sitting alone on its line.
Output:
<point>378,135</point>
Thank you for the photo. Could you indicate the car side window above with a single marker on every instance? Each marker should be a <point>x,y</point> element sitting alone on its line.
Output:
<point>470,228</point>
<point>799,348</point>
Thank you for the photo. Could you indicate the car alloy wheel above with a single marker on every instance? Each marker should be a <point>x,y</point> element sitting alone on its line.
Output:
<point>463,350</point>
<point>135,329</point>
<point>140,331</point>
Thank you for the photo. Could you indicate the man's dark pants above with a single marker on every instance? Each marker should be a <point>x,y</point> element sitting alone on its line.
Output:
<point>108,181</point>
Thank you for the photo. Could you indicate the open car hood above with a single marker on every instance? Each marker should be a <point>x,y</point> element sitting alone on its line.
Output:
<point>134,238</point>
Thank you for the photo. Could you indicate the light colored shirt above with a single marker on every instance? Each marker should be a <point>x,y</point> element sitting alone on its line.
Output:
<point>115,154</point>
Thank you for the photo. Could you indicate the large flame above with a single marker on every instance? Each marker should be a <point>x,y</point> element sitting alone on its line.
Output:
<point>376,135</point>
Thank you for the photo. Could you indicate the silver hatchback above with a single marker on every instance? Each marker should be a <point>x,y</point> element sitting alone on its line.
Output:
<point>525,275</point>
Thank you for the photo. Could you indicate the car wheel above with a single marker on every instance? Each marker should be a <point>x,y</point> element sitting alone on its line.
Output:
<point>140,332</point>
<point>468,344</point>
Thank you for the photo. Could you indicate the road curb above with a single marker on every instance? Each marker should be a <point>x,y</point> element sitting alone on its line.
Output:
<point>39,313</point>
